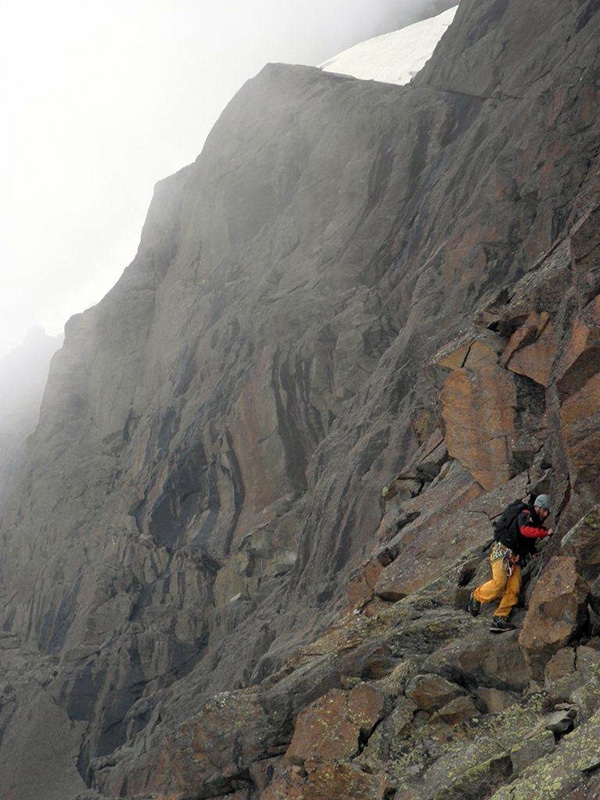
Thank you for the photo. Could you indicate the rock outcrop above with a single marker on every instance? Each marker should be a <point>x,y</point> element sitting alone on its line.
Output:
<point>354,286</point>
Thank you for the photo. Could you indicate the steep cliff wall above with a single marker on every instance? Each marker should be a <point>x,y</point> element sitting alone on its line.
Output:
<point>215,434</point>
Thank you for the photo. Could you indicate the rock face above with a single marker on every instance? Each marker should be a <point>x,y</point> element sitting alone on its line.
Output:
<point>355,285</point>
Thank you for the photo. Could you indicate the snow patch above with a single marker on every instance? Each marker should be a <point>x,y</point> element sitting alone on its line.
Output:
<point>394,57</point>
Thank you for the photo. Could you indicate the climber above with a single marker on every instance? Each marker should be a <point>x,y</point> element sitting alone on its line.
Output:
<point>514,546</point>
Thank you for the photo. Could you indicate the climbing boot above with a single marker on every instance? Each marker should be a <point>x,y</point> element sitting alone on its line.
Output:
<point>473,606</point>
<point>501,625</point>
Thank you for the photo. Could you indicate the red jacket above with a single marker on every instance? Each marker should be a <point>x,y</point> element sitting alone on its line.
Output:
<point>530,528</point>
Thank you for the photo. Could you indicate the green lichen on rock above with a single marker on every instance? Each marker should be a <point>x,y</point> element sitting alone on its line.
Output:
<point>566,769</point>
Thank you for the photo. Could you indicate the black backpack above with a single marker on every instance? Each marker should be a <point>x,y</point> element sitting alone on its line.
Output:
<point>506,521</point>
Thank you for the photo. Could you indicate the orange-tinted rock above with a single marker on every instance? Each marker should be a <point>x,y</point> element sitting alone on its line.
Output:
<point>328,782</point>
<point>257,450</point>
<point>479,409</point>
<point>461,709</point>
<point>591,313</point>
<point>580,431</point>
<point>525,334</point>
<point>432,692</point>
<point>557,610</point>
<point>580,361</point>
<point>330,727</point>
<point>471,352</point>
<point>198,754</point>
<point>263,771</point>
<point>532,349</point>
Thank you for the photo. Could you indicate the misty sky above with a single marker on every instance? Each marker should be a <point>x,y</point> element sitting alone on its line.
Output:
<point>101,100</point>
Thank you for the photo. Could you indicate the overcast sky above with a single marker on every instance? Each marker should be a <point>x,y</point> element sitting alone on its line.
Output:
<point>101,100</point>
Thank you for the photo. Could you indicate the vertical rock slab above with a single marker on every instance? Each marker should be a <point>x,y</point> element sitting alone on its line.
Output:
<point>494,415</point>
<point>583,543</point>
<point>479,409</point>
<point>580,433</point>
<point>578,379</point>
<point>557,611</point>
<point>581,357</point>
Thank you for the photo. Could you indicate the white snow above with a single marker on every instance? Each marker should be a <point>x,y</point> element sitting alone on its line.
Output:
<point>394,57</point>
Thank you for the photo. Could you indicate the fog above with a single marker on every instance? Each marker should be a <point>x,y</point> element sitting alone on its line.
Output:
<point>23,374</point>
<point>102,100</point>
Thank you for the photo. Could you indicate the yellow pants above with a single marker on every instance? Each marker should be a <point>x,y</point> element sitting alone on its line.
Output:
<point>501,585</point>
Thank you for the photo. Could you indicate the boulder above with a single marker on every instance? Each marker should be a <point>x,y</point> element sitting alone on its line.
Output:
<point>331,727</point>
<point>478,659</point>
<point>327,781</point>
<point>557,611</point>
<point>577,686</point>
<point>432,692</point>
